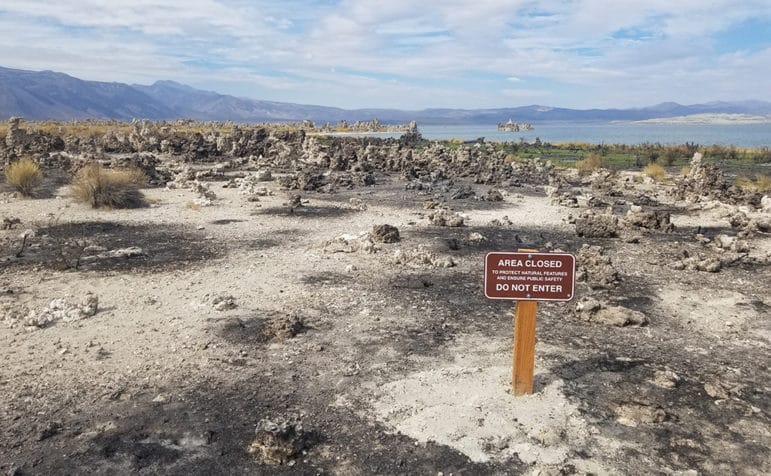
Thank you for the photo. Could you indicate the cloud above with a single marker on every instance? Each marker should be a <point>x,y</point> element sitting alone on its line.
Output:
<point>456,53</point>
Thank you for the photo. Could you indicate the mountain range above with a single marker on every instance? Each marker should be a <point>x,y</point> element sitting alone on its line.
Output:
<point>40,95</point>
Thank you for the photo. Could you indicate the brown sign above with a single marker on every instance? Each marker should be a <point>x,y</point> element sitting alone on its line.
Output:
<point>530,276</point>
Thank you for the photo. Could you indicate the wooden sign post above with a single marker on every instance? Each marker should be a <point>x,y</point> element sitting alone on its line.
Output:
<point>528,277</point>
<point>524,347</point>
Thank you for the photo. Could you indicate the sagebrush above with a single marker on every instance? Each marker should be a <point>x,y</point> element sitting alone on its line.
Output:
<point>762,183</point>
<point>589,164</point>
<point>655,171</point>
<point>109,188</point>
<point>24,175</point>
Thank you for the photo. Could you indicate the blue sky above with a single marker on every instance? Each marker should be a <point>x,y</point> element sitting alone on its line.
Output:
<point>406,54</point>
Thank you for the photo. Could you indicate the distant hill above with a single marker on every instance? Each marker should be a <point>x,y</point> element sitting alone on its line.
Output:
<point>51,95</point>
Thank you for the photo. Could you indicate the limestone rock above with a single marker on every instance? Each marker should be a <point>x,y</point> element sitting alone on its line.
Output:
<point>278,441</point>
<point>62,310</point>
<point>665,379</point>
<point>494,196</point>
<point>731,243</point>
<point>595,268</point>
<point>698,263</point>
<point>10,222</point>
<point>633,414</point>
<point>351,244</point>
<point>592,310</point>
<point>596,225</point>
<point>224,303</point>
<point>420,257</point>
<point>765,203</point>
<point>205,196</point>
<point>443,217</point>
<point>285,327</point>
<point>652,220</point>
<point>263,175</point>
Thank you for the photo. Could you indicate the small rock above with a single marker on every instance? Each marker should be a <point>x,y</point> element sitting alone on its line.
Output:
<point>421,257</point>
<point>595,225</point>
<point>385,234</point>
<point>494,196</point>
<point>285,327</point>
<point>595,268</point>
<point>476,237</point>
<point>263,175</point>
<point>715,390</point>
<point>51,429</point>
<point>632,414</point>
<point>653,220</point>
<point>130,252</point>
<point>665,379</point>
<point>10,222</point>
<point>278,441</point>
<point>295,201</point>
<point>592,310</point>
<point>224,303</point>
<point>765,203</point>
<point>444,217</point>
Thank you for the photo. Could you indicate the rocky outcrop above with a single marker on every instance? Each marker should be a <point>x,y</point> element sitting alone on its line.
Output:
<point>363,126</point>
<point>706,182</point>
<point>20,141</point>
<point>282,149</point>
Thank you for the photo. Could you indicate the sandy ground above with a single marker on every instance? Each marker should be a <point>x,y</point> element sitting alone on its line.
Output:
<point>400,366</point>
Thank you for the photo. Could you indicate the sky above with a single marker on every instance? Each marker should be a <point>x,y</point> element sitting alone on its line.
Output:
<point>407,54</point>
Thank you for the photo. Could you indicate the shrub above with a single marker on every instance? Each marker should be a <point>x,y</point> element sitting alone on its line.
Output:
<point>655,171</point>
<point>24,175</point>
<point>590,164</point>
<point>109,188</point>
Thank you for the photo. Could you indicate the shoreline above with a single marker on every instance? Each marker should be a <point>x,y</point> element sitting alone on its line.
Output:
<point>709,120</point>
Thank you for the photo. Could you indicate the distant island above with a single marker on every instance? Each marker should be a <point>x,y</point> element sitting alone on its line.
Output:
<point>512,126</point>
<point>716,119</point>
<point>362,127</point>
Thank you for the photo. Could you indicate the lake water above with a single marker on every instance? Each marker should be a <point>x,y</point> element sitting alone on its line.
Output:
<point>743,135</point>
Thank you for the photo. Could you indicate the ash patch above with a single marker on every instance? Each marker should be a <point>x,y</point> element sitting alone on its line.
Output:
<point>307,211</point>
<point>164,247</point>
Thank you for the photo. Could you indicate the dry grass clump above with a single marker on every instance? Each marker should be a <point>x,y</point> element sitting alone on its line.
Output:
<point>590,164</point>
<point>685,170</point>
<point>762,183</point>
<point>24,175</point>
<point>655,171</point>
<point>109,188</point>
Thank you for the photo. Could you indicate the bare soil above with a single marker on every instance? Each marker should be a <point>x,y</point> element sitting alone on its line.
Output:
<point>240,312</point>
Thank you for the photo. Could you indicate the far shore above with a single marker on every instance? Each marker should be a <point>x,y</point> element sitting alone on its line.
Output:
<point>716,119</point>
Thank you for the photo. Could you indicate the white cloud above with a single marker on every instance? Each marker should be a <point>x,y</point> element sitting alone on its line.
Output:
<point>457,53</point>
